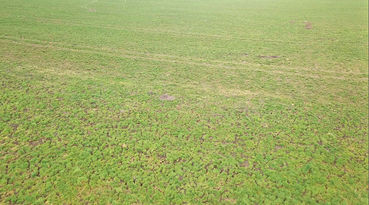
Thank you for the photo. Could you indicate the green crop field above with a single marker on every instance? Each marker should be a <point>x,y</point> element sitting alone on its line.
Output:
<point>183,101</point>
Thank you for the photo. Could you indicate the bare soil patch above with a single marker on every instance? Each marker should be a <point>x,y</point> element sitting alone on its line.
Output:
<point>35,143</point>
<point>167,97</point>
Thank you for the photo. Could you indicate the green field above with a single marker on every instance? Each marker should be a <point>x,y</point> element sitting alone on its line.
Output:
<point>184,102</point>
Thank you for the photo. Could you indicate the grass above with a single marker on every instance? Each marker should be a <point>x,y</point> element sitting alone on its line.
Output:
<point>267,102</point>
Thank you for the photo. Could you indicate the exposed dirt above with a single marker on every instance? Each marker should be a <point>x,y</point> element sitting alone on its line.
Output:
<point>167,97</point>
<point>308,25</point>
<point>35,143</point>
<point>162,156</point>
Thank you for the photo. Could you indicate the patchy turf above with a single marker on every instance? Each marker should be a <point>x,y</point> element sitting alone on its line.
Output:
<point>171,101</point>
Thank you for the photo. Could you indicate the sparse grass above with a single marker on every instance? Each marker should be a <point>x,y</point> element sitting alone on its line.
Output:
<point>270,102</point>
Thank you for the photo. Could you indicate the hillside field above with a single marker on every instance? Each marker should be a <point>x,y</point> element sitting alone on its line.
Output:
<point>183,101</point>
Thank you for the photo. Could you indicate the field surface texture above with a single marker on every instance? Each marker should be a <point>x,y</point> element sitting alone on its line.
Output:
<point>183,101</point>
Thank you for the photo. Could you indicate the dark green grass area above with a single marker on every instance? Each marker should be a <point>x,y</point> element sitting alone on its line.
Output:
<point>269,102</point>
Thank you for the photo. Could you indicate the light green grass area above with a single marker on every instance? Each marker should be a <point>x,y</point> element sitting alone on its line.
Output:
<point>267,101</point>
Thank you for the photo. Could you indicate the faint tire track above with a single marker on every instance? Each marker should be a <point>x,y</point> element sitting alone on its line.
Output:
<point>171,58</point>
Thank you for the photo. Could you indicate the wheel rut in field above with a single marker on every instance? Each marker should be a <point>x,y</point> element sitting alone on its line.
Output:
<point>184,60</point>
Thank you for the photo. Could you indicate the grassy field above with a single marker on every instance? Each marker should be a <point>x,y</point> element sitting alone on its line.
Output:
<point>184,101</point>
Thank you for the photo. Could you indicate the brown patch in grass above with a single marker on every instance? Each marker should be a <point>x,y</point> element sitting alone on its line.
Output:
<point>35,143</point>
<point>92,10</point>
<point>162,156</point>
<point>167,97</point>
<point>308,25</point>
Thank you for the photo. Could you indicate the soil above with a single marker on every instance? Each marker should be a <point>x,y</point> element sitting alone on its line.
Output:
<point>167,97</point>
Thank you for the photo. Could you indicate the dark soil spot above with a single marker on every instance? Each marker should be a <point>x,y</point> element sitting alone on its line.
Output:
<point>162,156</point>
<point>36,142</point>
<point>150,93</point>
<point>308,25</point>
<point>269,57</point>
<point>167,97</point>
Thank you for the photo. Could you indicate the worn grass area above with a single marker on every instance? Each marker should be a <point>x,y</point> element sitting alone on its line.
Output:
<point>172,101</point>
